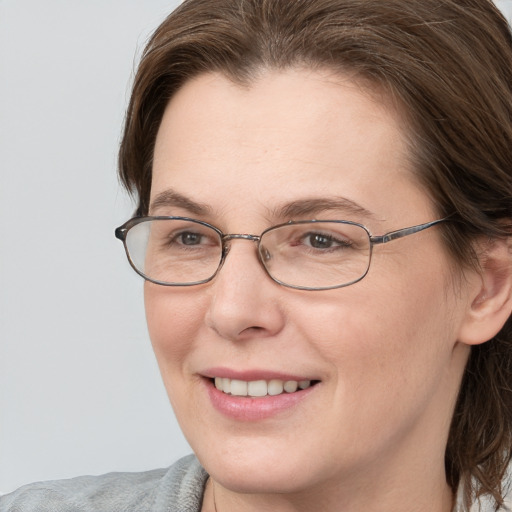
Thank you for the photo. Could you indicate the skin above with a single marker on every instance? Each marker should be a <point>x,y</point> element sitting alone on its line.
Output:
<point>371,435</point>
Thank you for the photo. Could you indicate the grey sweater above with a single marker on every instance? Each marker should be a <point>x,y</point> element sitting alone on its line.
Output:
<point>176,489</point>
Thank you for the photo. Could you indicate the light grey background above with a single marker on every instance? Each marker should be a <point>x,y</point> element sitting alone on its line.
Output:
<point>80,391</point>
<point>79,388</point>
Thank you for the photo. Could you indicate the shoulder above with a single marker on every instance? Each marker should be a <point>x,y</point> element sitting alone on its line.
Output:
<point>180,486</point>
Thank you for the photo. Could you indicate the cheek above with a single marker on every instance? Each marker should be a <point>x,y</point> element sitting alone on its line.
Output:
<point>389,341</point>
<point>173,323</point>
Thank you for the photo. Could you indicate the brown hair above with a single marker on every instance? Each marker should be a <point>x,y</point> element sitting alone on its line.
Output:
<point>448,65</point>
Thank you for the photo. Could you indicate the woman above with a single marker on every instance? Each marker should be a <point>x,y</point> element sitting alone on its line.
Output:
<point>324,225</point>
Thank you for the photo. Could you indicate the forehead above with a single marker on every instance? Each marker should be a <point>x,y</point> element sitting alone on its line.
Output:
<point>289,133</point>
<point>289,106</point>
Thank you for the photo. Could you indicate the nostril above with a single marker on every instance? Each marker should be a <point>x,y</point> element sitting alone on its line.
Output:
<point>253,330</point>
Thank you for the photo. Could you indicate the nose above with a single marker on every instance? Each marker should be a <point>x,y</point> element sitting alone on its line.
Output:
<point>245,302</point>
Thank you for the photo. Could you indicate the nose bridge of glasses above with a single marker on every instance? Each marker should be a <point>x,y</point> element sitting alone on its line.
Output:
<point>237,236</point>
<point>242,236</point>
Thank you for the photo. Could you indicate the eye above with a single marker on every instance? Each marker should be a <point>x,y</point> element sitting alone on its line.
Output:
<point>190,238</point>
<point>324,241</point>
<point>319,241</point>
<point>194,239</point>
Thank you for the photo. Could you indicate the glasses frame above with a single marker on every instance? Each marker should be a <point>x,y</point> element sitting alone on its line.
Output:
<point>122,231</point>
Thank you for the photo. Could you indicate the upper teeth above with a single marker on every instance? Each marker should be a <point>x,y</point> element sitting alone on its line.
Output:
<point>259,387</point>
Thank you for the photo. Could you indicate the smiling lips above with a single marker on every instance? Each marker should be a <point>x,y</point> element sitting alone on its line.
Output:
<point>259,388</point>
<point>255,395</point>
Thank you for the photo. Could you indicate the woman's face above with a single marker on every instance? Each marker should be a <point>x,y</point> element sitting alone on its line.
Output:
<point>381,354</point>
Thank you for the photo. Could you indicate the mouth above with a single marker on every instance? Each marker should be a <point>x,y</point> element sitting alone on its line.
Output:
<point>260,388</point>
<point>256,395</point>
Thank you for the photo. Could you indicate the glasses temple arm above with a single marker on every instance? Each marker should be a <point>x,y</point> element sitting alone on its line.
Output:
<point>400,233</point>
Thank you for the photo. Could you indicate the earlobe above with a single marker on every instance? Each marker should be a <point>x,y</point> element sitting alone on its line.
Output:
<point>490,303</point>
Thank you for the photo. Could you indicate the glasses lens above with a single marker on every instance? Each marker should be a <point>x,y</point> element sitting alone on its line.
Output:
<point>174,251</point>
<point>316,255</point>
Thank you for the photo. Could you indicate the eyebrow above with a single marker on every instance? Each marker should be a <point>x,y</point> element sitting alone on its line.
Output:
<point>170,198</point>
<point>307,207</point>
<point>312,206</point>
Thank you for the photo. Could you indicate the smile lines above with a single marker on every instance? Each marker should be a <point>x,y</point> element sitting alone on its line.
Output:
<point>259,388</point>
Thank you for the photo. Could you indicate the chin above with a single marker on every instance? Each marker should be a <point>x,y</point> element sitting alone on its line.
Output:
<point>262,465</point>
<point>250,477</point>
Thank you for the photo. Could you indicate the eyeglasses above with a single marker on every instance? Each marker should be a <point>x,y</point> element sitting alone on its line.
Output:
<point>306,255</point>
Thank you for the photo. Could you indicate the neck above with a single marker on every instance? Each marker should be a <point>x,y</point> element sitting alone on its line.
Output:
<point>407,476</point>
<point>369,496</point>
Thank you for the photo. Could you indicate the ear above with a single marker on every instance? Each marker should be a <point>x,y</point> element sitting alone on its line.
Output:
<point>490,300</point>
